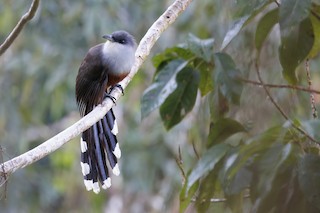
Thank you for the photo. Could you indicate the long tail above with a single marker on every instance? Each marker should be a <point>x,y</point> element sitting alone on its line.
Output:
<point>99,144</point>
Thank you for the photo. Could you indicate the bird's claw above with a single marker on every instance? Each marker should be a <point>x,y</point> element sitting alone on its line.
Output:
<point>118,86</point>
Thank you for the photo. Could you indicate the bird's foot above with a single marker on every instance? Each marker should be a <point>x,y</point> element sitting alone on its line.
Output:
<point>107,95</point>
<point>118,86</point>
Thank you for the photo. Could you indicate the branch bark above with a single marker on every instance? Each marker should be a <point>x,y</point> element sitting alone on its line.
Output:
<point>17,29</point>
<point>143,50</point>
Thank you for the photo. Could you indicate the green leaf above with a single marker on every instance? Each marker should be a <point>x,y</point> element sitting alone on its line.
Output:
<point>240,181</point>
<point>185,197</point>
<point>312,127</point>
<point>207,163</point>
<point>292,12</point>
<point>170,54</point>
<point>273,172</point>
<point>226,77</point>
<point>233,31</point>
<point>244,7</point>
<point>255,146</point>
<point>309,178</point>
<point>207,190</point>
<point>222,129</point>
<point>233,183</point>
<point>296,43</point>
<point>206,71</point>
<point>182,100</point>
<point>264,27</point>
<point>251,10</point>
<point>164,84</point>
<point>270,163</point>
<point>202,48</point>
<point>316,31</point>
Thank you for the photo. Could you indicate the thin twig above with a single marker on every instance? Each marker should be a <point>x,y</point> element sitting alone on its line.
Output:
<point>218,200</point>
<point>281,86</point>
<point>275,1</point>
<point>180,155</point>
<point>278,107</point>
<point>143,50</point>
<point>179,163</point>
<point>312,101</point>
<point>195,150</point>
<point>268,93</point>
<point>17,29</point>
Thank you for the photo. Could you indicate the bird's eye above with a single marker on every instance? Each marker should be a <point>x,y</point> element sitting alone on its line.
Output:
<point>122,41</point>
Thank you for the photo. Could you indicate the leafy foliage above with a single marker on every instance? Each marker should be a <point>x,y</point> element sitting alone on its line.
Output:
<point>272,170</point>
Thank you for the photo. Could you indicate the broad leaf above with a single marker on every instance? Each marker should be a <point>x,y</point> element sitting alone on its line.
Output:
<point>273,172</point>
<point>186,197</point>
<point>264,27</point>
<point>316,30</point>
<point>206,72</point>
<point>233,31</point>
<point>207,162</point>
<point>207,190</point>
<point>181,101</point>
<point>222,129</point>
<point>309,178</point>
<point>296,43</point>
<point>164,84</point>
<point>170,54</point>
<point>235,183</point>
<point>270,163</point>
<point>226,76</point>
<point>256,146</point>
<point>250,11</point>
<point>239,182</point>
<point>292,12</point>
<point>244,7</point>
<point>202,48</point>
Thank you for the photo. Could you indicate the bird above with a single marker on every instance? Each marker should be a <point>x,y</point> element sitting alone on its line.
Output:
<point>102,68</point>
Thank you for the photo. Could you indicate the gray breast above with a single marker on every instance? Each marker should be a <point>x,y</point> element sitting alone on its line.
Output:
<point>118,57</point>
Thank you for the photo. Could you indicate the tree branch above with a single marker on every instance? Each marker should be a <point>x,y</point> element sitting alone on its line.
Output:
<point>179,163</point>
<point>143,50</point>
<point>281,86</point>
<point>17,29</point>
<point>302,131</point>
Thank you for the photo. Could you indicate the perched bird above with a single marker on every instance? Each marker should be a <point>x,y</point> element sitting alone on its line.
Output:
<point>102,68</point>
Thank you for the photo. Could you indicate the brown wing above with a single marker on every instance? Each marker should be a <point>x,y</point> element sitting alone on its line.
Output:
<point>91,81</point>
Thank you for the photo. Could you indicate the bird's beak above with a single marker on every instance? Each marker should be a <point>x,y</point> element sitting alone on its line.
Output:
<point>108,37</point>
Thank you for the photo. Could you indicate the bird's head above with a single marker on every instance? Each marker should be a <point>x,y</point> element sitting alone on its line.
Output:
<point>121,37</point>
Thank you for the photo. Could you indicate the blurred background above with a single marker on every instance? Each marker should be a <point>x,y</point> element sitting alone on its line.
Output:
<point>37,80</point>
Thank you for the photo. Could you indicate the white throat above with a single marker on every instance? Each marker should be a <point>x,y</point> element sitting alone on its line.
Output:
<point>118,57</point>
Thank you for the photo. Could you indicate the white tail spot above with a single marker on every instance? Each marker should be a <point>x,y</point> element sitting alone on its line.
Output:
<point>116,170</point>
<point>88,184</point>
<point>117,151</point>
<point>83,146</point>
<point>85,168</point>
<point>106,183</point>
<point>115,128</point>
<point>96,188</point>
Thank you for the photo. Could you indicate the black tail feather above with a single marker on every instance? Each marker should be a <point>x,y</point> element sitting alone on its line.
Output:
<point>96,142</point>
